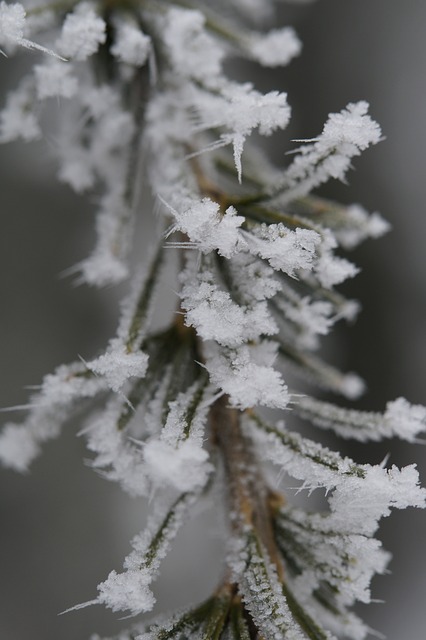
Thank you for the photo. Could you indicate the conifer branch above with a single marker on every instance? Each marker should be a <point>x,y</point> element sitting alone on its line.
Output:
<point>145,98</point>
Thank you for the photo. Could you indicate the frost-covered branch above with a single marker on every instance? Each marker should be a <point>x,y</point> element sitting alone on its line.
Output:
<point>173,407</point>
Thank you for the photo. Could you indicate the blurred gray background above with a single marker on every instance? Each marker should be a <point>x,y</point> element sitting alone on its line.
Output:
<point>63,528</point>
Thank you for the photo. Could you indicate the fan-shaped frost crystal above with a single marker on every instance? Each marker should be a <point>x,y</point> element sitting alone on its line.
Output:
<point>127,592</point>
<point>353,127</point>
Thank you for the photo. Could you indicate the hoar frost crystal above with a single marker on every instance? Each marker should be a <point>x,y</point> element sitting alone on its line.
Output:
<point>178,411</point>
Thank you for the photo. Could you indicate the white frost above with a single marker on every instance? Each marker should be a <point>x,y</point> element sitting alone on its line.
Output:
<point>275,48</point>
<point>344,136</point>
<point>118,365</point>
<point>246,375</point>
<point>286,250</point>
<point>131,45</point>
<point>208,228</point>
<point>54,78</point>
<point>184,467</point>
<point>82,33</point>
<point>193,52</point>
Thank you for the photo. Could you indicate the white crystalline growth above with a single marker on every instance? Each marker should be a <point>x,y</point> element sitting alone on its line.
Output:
<point>247,376</point>
<point>292,251</point>
<point>215,316</point>
<point>108,262</point>
<point>248,110</point>
<point>261,589</point>
<point>193,52</point>
<point>329,268</point>
<point>131,45</point>
<point>275,48</point>
<point>118,365</point>
<point>400,419</point>
<point>311,317</point>
<point>360,226</point>
<point>207,228</point>
<point>240,110</point>
<point>302,458</point>
<point>177,459</point>
<point>358,504</point>
<point>286,250</point>
<point>347,625</point>
<point>18,118</point>
<point>12,28</point>
<point>253,279</point>
<point>130,590</point>
<point>105,160</point>
<point>332,270</point>
<point>100,155</point>
<point>344,136</point>
<point>48,410</point>
<point>345,561</point>
<point>405,420</point>
<point>112,137</point>
<point>100,101</point>
<point>54,78</point>
<point>82,33</point>
<point>352,130</point>
<point>12,23</point>
<point>18,447</point>
<point>103,268</point>
<point>184,467</point>
<point>76,166</point>
<point>117,456</point>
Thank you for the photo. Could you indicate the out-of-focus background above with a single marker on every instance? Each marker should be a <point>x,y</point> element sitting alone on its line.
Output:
<point>63,528</point>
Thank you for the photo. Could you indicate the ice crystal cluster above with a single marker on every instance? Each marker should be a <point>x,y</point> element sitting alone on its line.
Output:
<point>177,410</point>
